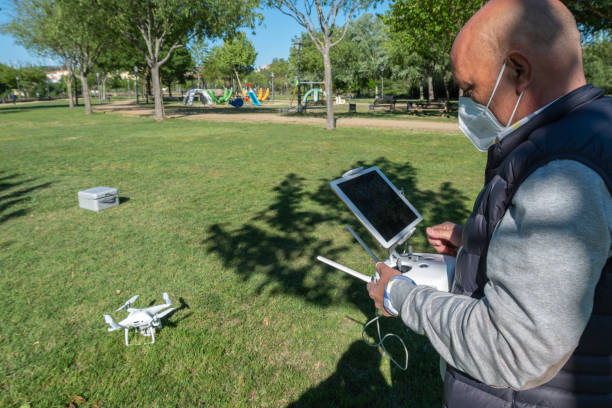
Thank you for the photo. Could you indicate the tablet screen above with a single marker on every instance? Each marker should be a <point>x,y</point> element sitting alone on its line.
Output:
<point>387,212</point>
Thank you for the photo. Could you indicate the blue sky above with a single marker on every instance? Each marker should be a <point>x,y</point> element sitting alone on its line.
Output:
<point>272,39</point>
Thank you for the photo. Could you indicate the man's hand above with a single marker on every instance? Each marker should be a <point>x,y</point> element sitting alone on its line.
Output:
<point>445,237</point>
<point>376,290</point>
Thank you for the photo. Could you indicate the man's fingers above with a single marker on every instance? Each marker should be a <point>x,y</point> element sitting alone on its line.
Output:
<point>439,232</point>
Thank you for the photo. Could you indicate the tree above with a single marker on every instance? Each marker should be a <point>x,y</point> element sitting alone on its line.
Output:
<point>177,67</point>
<point>598,62</point>
<point>280,68</point>
<point>236,56</point>
<point>366,38</point>
<point>428,29</point>
<point>323,30</point>
<point>200,52</point>
<point>159,27</point>
<point>591,15</point>
<point>75,30</point>
<point>7,78</point>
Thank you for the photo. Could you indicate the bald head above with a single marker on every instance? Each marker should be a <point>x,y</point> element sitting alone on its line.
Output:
<point>537,39</point>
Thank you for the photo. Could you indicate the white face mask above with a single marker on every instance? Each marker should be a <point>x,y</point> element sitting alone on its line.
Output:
<point>479,124</point>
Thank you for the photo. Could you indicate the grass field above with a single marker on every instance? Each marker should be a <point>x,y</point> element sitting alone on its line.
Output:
<point>228,219</point>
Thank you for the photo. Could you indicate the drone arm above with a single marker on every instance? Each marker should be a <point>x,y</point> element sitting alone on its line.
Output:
<point>111,323</point>
<point>164,313</point>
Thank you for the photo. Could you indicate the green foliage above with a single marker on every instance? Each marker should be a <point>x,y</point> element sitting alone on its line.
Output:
<point>7,79</point>
<point>597,57</point>
<point>428,28</point>
<point>280,68</point>
<point>591,15</point>
<point>177,67</point>
<point>236,55</point>
<point>358,58</point>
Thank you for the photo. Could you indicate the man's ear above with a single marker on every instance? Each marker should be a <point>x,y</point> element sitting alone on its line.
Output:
<point>521,72</point>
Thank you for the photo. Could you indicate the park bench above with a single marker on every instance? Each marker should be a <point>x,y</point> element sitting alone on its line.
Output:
<point>443,107</point>
<point>387,102</point>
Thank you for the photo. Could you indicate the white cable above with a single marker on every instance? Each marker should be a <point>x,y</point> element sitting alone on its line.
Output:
<point>381,342</point>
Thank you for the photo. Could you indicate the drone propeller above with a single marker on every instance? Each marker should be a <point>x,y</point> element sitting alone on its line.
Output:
<point>128,303</point>
<point>164,313</point>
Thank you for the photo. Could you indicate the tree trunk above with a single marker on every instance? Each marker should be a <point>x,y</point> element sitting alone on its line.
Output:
<point>460,92</point>
<point>431,95</point>
<point>85,93</point>
<point>239,83</point>
<point>376,92</point>
<point>446,91</point>
<point>157,92</point>
<point>68,80</point>
<point>421,91</point>
<point>104,88</point>
<point>331,121</point>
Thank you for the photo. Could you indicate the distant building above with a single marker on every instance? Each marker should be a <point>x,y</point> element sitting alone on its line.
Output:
<point>262,68</point>
<point>56,76</point>
<point>127,75</point>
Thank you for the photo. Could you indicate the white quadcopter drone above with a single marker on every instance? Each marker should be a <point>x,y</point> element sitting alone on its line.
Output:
<point>141,320</point>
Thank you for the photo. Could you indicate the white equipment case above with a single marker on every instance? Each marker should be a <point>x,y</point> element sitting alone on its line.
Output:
<point>98,198</point>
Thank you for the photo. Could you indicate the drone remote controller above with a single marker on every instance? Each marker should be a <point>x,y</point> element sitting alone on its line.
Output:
<point>390,218</point>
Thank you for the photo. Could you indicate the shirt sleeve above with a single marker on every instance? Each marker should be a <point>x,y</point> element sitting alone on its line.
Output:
<point>544,261</point>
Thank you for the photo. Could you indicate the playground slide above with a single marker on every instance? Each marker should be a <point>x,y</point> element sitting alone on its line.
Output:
<point>212,95</point>
<point>265,95</point>
<point>191,94</point>
<point>206,98</point>
<point>315,92</point>
<point>260,94</point>
<point>227,94</point>
<point>253,98</point>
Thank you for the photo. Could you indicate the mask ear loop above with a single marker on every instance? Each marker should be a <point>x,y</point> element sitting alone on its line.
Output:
<point>515,108</point>
<point>499,77</point>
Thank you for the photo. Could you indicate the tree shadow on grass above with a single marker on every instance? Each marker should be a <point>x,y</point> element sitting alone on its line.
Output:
<point>28,107</point>
<point>14,191</point>
<point>279,245</point>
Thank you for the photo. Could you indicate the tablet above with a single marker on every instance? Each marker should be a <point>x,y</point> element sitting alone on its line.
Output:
<point>378,205</point>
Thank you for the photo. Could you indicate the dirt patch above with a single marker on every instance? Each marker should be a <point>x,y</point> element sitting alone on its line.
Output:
<point>265,116</point>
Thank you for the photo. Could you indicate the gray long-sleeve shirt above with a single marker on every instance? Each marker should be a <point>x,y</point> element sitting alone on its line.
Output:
<point>544,261</point>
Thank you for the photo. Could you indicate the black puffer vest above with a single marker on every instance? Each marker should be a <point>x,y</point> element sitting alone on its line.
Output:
<point>576,127</point>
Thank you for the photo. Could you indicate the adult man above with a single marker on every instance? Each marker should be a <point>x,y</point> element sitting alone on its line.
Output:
<point>529,319</point>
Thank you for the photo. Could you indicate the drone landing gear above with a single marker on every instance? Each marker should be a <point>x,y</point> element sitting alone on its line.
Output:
<point>145,331</point>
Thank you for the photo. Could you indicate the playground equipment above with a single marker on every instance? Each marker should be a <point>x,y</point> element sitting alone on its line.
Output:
<point>340,100</point>
<point>316,93</point>
<point>227,95</point>
<point>236,102</point>
<point>208,96</point>
<point>249,95</point>
<point>253,97</point>
<point>192,93</point>
<point>266,94</point>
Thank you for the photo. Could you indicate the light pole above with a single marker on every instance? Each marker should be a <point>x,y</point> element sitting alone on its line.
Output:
<point>382,82</point>
<point>272,86</point>
<point>298,46</point>
<point>128,84</point>
<point>18,88</point>
<point>136,86</point>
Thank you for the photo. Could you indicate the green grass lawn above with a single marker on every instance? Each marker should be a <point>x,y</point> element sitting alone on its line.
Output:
<point>228,219</point>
